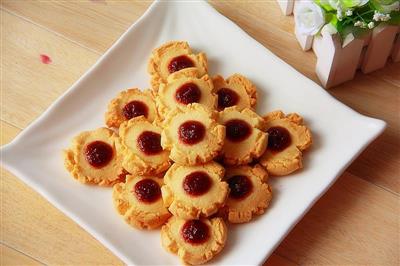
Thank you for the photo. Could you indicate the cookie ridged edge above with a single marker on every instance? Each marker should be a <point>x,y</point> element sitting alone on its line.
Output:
<point>72,166</point>
<point>171,245</point>
<point>217,130</point>
<point>136,164</point>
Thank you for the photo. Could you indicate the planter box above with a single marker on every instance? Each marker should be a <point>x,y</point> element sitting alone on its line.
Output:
<point>338,61</point>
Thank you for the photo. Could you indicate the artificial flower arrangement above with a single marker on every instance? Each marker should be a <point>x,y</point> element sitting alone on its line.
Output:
<point>344,16</point>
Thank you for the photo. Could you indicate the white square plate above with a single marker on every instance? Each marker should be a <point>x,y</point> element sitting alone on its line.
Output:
<point>340,134</point>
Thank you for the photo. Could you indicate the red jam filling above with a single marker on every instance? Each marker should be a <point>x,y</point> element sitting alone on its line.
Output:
<point>98,153</point>
<point>227,98</point>
<point>180,62</point>
<point>134,109</point>
<point>197,183</point>
<point>240,186</point>
<point>147,190</point>
<point>149,142</point>
<point>195,232</point>
<point>122,176</point>
<point>237,130</point>
<point>188,93</point>
<point>191,132</point>
<point>278,139</point>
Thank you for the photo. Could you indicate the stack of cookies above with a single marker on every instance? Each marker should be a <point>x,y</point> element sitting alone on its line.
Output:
<point>189,154</point>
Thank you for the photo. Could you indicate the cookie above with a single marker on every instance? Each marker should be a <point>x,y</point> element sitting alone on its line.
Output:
<point>249,193</point>
<point>172,57</point>
<point>244,138</point>
<point>191,192</point>
<point>93,158</point>
<point>194,241</point>
<point>183,88</point>
<point>129,104</point>
<point>140,147</point>
<point>192,134</point>
<point>139,201</point>
<point>236,90</point>
<point>288,137</point>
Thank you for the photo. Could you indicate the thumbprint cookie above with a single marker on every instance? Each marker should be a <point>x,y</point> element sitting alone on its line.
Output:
<point>288,138</point>
<point>183,88</point>
<point>245,139</point>
<point>129,104</point>
<point>139,201</point>
<point>191,192</point>
<point>93,158</point>
<point>249,193</point>
<point>193,135</point>
<point>236,90</point>
<point>194,241</point>
<point>140,146</point>
<point>172,57</point>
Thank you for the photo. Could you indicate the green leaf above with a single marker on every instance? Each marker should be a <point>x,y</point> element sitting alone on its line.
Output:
<point>385,2</point>
<point>359,32</point>
<point>395,18</point>
<point>324,4</point>
<point>350,3</point>
<point>375,5</point>
<point>334,21</point>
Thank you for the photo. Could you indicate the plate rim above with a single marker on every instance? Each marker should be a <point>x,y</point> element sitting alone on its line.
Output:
<point>378,127</point>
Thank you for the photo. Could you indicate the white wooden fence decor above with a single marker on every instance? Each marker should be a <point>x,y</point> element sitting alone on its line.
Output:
<point>338,61</point>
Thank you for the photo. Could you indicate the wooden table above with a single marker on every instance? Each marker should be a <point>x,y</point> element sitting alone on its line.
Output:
<point>356,222</point>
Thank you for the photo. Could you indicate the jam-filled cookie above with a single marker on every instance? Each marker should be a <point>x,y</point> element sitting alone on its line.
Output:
<point>139,201</point>
<point>288,137</point>
<point>129,104</point>
<point>192,134</point>
<point>244,138</point>
<point>191,192</point>
<point>140,146</point>
<point>172,57</point>
<point>93,158</point>
<point>236,90</point>
<point>249,193</point>
<point>183,88</point>
<point>194,241</point>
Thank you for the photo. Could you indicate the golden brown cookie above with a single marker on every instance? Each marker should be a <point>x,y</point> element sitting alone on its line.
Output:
<point>93,158</point>
<point>172,57</point>
<point>191,192</point>
<point>183,88</point>
<point>194,241</point>
<point>288,137</point>
<point>244,138</point>
<point>140,146</point>
<point>192,134</point>
<point>129,104</point>
<point>139,201</point>
<point>236,90</point>
<point>249,193</point>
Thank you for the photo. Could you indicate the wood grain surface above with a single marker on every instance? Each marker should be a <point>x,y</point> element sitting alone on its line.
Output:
<point>356,222</point>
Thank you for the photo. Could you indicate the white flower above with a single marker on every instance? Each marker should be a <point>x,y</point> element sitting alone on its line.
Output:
<point>309,17</point>
<point>361,2</point>
<point>349,3</point>
<point>360,24</point>
<point>349,12</point>
<point>334,3</point>
<point>339,14</point>
<point>380,16</point>
<point>386,17</point>
<point>371,25</point>
<point>324,2</point>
